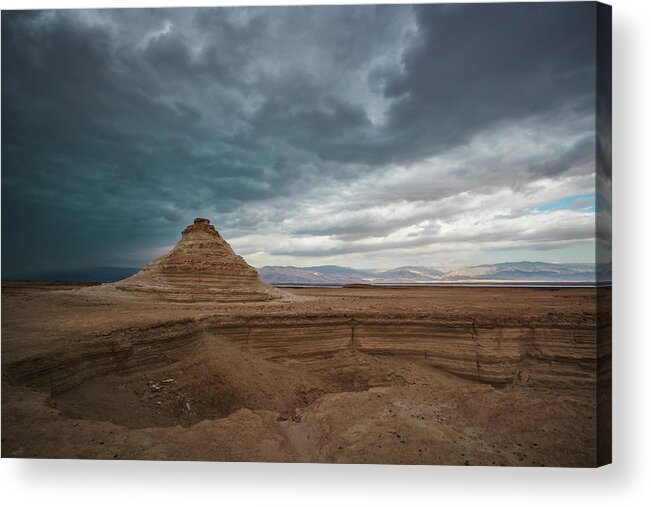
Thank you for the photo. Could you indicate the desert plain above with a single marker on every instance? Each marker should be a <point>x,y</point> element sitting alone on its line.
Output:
<point>419,375</point>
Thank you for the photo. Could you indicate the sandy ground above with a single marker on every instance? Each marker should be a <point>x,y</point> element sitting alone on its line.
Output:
<point>92,375</point>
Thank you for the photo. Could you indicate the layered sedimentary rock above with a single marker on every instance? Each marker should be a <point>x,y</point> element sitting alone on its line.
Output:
<point>539,355</point>
<point>357,375</point>
<point>536,355</point>
<point>201,267</point>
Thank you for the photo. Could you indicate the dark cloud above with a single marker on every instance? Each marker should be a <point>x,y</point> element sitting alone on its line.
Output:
<point>120,126</point>
<point>477,65</point>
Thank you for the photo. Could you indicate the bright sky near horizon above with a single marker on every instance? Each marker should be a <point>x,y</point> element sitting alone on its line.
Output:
<point>363,136</point>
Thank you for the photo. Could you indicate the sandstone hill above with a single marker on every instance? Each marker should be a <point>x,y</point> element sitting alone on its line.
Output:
<point>201,267</point>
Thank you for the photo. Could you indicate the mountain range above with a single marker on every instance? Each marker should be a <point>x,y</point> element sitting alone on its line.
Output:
<point>513,272</point>
<point>502,272</point>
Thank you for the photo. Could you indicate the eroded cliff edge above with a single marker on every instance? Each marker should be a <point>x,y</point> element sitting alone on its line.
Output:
<point>552,353</point>
<point>419,375</point>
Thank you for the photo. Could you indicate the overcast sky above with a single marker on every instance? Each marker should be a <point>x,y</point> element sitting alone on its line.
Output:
<point>369,136</point>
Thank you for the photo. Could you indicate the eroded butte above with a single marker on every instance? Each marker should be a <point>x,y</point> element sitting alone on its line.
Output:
<point>201,267</point>
<point>429,375</point>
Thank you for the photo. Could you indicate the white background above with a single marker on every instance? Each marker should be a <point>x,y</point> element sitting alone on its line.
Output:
<point>626,482</point>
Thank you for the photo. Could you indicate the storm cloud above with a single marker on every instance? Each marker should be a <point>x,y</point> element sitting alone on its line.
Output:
<point>370,136</point>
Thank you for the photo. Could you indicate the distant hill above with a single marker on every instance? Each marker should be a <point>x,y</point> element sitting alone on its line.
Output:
<point>339,275</point>
<point>321,275</point>
<point>97,274</point>
<point>525,272</point>
<point>502,272</point>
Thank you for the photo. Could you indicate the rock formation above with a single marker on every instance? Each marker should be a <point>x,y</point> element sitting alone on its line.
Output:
<point>201,267</point>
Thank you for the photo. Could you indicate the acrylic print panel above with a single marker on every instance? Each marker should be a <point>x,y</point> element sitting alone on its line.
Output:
<point>342,234</point>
